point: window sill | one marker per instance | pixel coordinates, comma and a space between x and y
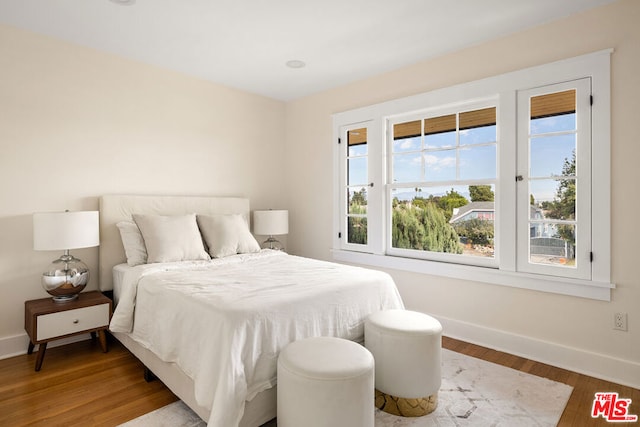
564, 286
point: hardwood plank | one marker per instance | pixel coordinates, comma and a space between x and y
79, 385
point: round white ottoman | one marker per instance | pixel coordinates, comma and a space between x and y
325, 381
406, 346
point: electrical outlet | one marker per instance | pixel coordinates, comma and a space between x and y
620, 321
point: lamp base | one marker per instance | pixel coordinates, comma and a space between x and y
65, 278
65, 292
272, 243
64, 298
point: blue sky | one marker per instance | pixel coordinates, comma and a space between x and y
474, 158
443, 160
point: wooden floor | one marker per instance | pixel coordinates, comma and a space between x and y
81, 386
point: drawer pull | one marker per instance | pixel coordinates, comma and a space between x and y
76, 321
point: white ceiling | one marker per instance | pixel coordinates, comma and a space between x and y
246, 43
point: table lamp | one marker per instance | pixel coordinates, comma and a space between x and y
67, 276
271, 223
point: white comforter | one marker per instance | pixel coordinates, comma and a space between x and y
224, 322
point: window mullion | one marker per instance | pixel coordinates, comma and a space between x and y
508, 168
457, 147
377, 195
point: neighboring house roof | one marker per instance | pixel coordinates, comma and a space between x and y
463, 211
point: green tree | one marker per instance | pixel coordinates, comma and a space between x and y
357, 230
357, 226
359, 198
423, 228
481, 193
439, 234
419, 202
564, 204
450, 201
407, 231
477, 231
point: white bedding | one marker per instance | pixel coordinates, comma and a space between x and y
224, 321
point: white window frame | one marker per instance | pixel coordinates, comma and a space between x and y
428, 255
505, 87
343, 171
583, 198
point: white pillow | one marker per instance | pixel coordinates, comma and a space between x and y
227, 235
171, 238
133, 243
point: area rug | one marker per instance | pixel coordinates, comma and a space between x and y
473, 393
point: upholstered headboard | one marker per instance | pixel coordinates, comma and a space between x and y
116, 208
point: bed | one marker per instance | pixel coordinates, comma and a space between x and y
211, 327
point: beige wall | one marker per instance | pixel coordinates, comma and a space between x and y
545, 326
76, 124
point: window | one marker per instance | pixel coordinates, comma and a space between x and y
555, 190
357, 182
442, 182
503, 180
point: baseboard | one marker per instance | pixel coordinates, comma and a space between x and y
596, 365
625, 372
17, 345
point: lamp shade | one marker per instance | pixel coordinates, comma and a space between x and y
271, 222
65, 230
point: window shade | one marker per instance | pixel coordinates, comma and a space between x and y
357, 136
553, 104
441, 124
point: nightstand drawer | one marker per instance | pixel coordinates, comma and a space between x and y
72, 321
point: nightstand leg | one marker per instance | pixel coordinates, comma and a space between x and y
41, 349
30, 349
102, 336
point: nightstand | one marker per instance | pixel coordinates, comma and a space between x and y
46, 320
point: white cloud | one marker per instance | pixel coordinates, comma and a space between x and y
406, 144
439, 163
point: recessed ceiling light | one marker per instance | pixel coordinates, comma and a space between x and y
123, 2
295, 63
